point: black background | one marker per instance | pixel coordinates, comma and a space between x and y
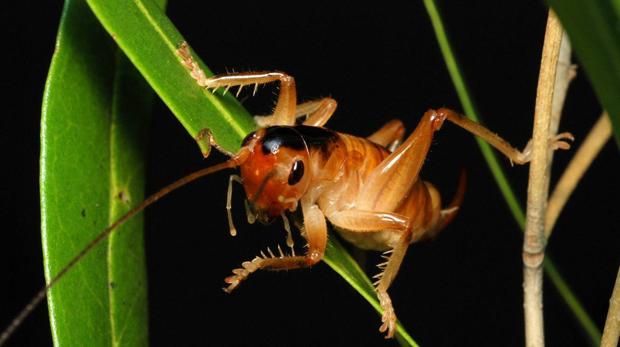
379, 62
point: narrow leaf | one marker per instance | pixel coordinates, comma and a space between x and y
150, 40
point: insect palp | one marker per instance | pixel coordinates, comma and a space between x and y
231, 179
289, 235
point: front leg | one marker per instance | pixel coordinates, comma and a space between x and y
284, 113
390, 135
315, 231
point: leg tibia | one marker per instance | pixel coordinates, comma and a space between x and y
318, 112
515, 156
316, 235
284, 113
385, 278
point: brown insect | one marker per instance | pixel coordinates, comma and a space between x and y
369, 189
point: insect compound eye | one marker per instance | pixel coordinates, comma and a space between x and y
297, 172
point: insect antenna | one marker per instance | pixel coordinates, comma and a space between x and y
42, 293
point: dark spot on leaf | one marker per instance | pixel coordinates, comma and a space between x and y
83, 213
112, 285
122, 196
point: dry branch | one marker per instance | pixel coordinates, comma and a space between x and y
534, 238
611, 333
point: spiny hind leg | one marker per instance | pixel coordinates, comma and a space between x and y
389, 269
390, 135
284, 113
390, 182
357, 221
316, 234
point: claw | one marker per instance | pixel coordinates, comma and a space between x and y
558, 141
233, 284
242, 273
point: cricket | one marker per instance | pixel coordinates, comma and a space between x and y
368, 189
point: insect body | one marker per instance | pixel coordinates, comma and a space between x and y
369, 189
363, 190
372, 196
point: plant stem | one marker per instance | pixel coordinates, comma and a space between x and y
611, 332
534, 238
564, 290
565, 73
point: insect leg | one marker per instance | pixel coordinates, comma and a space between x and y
390, 135
368, 222
390, 182
389, 270
318, 112
519, 157
316, 234
284, 113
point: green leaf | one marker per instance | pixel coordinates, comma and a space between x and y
570, 299
150, 40
337, 257
94, 114
594, 30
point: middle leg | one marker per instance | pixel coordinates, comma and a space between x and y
318, 112
390, 135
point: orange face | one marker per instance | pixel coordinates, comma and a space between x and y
275, 175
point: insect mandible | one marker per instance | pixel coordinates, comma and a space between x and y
368, 189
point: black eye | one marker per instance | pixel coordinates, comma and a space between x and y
297, 172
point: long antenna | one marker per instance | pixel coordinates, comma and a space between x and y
42, 293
